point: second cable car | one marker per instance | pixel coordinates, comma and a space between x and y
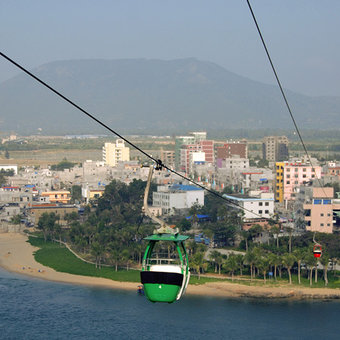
317, 250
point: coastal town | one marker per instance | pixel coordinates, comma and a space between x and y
273, 204
300, 193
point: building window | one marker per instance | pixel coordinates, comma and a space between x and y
296, 169
304, 169
266, 211
288, 176
317, 201
321, 224
260, 204
327, 202
288, 182
266, 204
321, 214
296, 176
296, 182
328, 225
260, 211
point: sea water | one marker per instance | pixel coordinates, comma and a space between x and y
36, 309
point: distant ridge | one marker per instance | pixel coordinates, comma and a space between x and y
141, 95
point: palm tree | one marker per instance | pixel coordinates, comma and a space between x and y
245, 235
231, 264
250, 259
311, 262
263, 265
274, 260
97, 250
325, 262
290, 231
299, 256
276, 231
216, 257
115, 254
258, 252
288, 261
198, 263
240, 261
126, 254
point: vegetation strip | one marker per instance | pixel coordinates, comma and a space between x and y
59, 258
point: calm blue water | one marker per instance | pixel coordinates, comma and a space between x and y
34, 309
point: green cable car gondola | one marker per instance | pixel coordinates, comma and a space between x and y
166, 278
165, 271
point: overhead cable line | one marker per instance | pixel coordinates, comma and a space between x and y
157, 161
283, 92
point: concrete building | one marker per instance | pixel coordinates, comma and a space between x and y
62, 196
254, 207
278, 188
21, 198
322, 211
290, 176
115, 152
92, 193
260, 180
8, 211
168, 158
231, 149
205, 147
192, 138
275, 148
333, 169
233, 162
177, 196
35, 211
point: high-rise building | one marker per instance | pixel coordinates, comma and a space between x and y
168, 157
205, 147
192, 138
275, 148
115, 152
290, 176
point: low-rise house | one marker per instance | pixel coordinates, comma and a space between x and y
62, 196
35, 211
9, 210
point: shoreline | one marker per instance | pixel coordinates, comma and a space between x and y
16, 255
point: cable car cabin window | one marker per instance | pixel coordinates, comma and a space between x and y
317, 201
327, 202
165, 253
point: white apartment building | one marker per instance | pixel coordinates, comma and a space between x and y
177, 196
235, 162
115, 152
254, 207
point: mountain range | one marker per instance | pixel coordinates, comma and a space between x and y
154, 96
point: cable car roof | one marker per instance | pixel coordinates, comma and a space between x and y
167, 237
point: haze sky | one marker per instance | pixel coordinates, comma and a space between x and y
302, 36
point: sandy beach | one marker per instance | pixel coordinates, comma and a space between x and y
16, 255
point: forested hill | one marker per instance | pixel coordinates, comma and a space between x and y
139, 95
